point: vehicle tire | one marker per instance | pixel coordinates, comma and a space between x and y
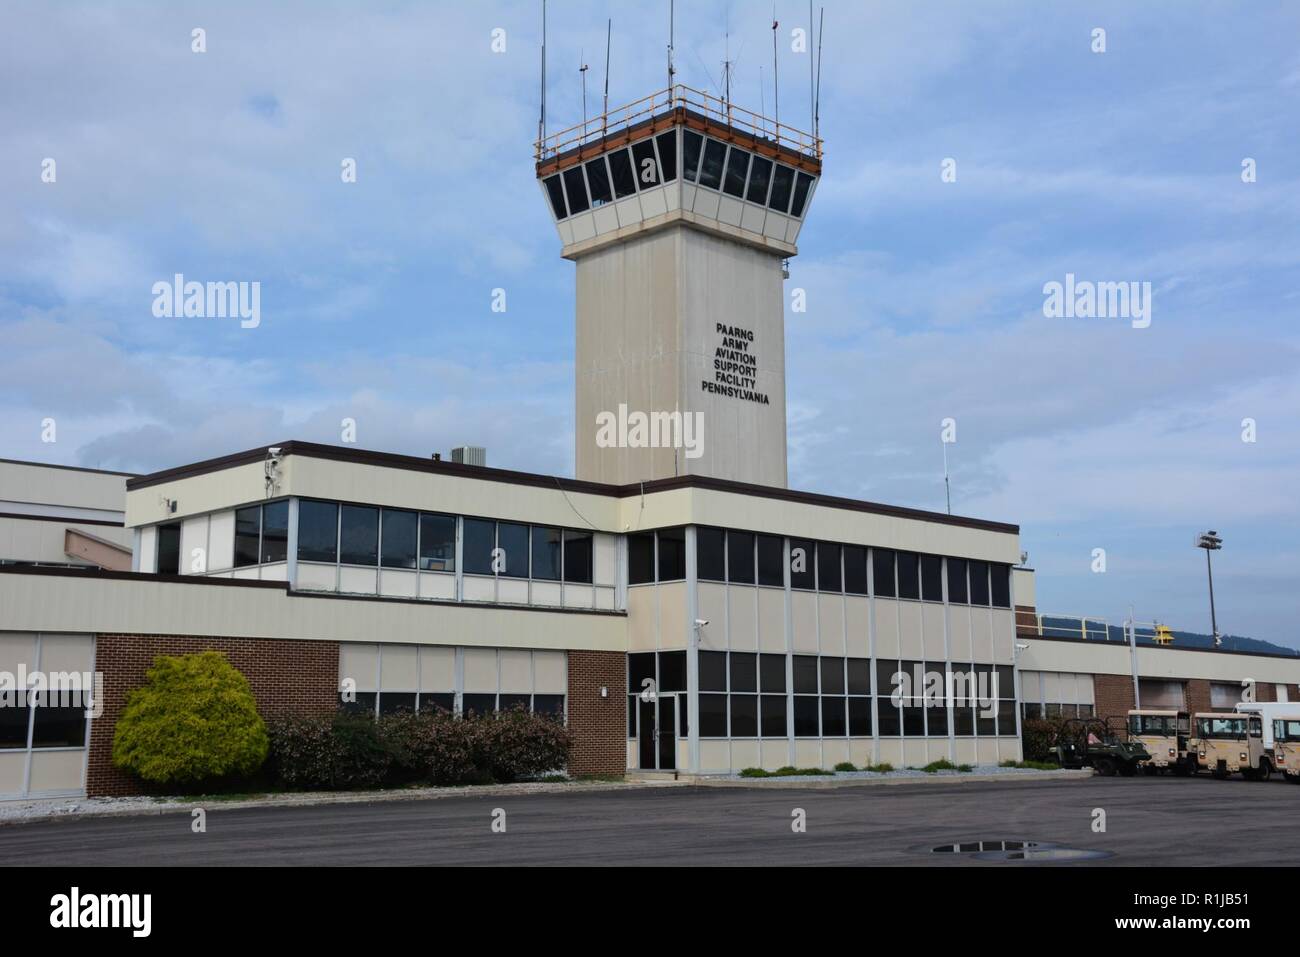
1105, 767
1151, 770
1127, 769
1183, 769
1219, 775
1265, 771
1249, 774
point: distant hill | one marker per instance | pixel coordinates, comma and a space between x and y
1073, 627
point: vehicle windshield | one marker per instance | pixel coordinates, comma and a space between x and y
1287, 729
1152, 724
1222, 727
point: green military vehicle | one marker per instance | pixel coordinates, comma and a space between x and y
1101, 744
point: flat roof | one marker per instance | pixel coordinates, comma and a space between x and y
482, 473
66, 468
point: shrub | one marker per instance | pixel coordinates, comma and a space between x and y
883, 768
845, 766
339, 751
433, 747
515, 744
755, 773
943, 764
194, 720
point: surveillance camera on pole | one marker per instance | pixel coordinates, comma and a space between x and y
1211, 542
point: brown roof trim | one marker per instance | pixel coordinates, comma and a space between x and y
66, 468
61, 518
339, 453
1119, 644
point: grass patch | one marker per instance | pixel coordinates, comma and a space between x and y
1031, 765
845, 766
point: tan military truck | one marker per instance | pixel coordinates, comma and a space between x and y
1286, 746
1227, 742
1164, 734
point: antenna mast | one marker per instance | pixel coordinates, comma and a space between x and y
541, 120
776, 78
672, 32
604, 116
583, 70
817, 99
812, 83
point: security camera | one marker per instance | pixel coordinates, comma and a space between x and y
274, 451
701, 622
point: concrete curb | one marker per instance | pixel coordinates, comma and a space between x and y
889, 780
320, 799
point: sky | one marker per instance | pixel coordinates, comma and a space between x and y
924, 296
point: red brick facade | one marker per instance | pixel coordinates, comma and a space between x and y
289, 676
1113, 695
598, 724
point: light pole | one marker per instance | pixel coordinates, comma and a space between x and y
1211, 542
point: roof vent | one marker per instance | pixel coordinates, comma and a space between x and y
469, 455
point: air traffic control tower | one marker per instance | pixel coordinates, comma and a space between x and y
680, 210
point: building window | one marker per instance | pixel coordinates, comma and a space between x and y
931, 578
713, 715
806, 716
480, 540
979, 583
668, 155
828, 568
555, 192
711, 165
547, 544
318, 531
801, 187
620, 168
888, 700
855, 570
834, 724
512, 539
782, 186
882, 572
358, 535
575, 187
480, 704
169, 549
744, 671
710, 554
805, 670
859, 717
1000, 590
647, 164
803, 564
773, 716
391, 702
248, 531
672, 554
744, 715
437, 543
909, 581
438, 701
740, 558
578, 559
598, 180
672, 671
771, 561
641, 558
760, 176
713, 670
771, 674
692, 146
957, 594
15, 716
275, 532
737, 172
399, 530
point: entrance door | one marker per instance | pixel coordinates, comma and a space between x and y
657, 731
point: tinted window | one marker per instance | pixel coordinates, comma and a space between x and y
576, 188
744, 716
620, 168
713, 671
546, 554
710, 554
802, 561
773, 716
855, 569
805, 716
359, 535
647, 164
859, 675
640, 666
598, 180
556, 193
832, 675
1000, 575
979, 583
932, 578
13, 720
771, 561
512, 539
577, 557
957, 581
711, 165
737, 170
549, 704
744, 671
833, 724
399, 539
691, 147
390, 702
740, 557
480, 539
668, 154
805, 674
248, 523
882, 572
169, 549
438, 543
760, 175
771, 673
828, 567
713, 716
59, 724
672, 554
782, 185
909, 582
801, 188
860, 717
672, 671
641, 558
318, 530
275, 531
478, 703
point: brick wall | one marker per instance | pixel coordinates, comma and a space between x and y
299, 677
1196, 694
1113, 695
599, 725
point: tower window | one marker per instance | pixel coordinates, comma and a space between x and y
647, 164
737, 170
576, 187
620, 168
782, 184
801, 188
598, 178
711, 166
556, 193
760, 177
668, 155
692, 144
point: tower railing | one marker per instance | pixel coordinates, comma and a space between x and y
662, 102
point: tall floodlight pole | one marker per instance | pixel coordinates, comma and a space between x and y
1211, 542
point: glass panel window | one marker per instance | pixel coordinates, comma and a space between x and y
773, 716
713, 716
641, 558
60, 720
555, 192
513, 702
692, 146
359, 535
668, 154
438, 543
805, 674
672, 671
882, 572
855, 569
936, 722
802, 564
399, 531
713, 670
744, 716
318, 531
647, 164
737, 171
363, 702
828, 568
480, 539
801, 187
549, 704
390, 702
957, 581
740, 557
1000, 590
833, 723
771, 673
889, 717
710, 554
546, 554
14, 717
620, 168
275, 531
931, 578
913, 721
711, 166
640, 668
512, 539
598, 180
832, 676
979, 583
806, 714
437, 701
909, 581
860, 717
859, 675
480, 704
760, 176
672, 554
1007, 719
169, 549
782, 186
744, 671
578, 559
575, 186
248, 528
771, 561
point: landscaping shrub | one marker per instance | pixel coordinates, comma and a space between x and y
435, 747
515, 744
194, 720
339, 751
883, 767
845, 766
